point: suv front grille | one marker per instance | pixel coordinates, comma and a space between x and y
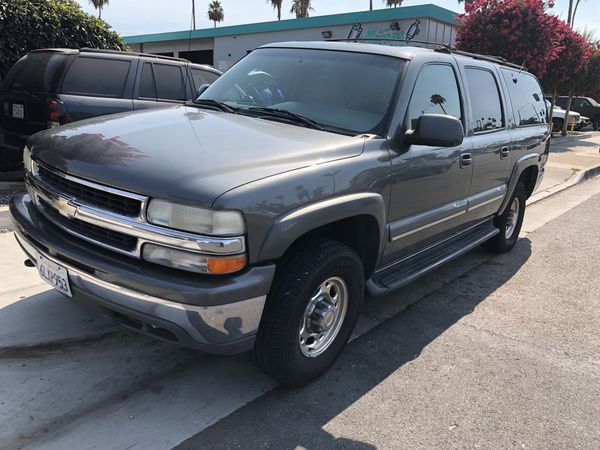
98, 234
95, 197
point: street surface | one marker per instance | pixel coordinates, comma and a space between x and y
489, 351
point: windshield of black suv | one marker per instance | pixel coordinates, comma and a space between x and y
336, 91
593, 102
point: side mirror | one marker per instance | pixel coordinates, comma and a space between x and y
436, 130
201, 90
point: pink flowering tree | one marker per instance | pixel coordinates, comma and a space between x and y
566, 70
516, 30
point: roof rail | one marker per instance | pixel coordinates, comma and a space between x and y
122, 52
388, 41
494, 59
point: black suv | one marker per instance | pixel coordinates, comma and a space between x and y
586, 106
52, 87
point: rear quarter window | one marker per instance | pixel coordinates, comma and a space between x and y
36, 72
169, 82
100, 77
526, 96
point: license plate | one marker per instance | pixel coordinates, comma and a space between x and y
53, 274
18, 111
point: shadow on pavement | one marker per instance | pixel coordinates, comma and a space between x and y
285, 419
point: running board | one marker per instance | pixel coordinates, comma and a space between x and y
412, 267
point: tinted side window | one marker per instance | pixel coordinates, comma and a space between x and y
580, 102
169, 82
147, 85
96, 76
527, 98
435, 92
36, 72
203, 77
485, 100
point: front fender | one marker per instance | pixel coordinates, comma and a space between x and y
291, 226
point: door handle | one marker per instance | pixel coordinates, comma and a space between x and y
466, 159
504, 152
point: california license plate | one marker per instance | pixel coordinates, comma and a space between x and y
53, 274
18, 111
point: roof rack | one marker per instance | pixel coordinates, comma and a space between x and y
121, 52
390, 41
441, 47
495, 59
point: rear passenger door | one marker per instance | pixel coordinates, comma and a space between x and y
161, 84
490, 138
95, 86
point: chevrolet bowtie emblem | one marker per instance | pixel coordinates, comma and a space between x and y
64, 207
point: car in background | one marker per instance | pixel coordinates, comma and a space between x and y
558, 117
52, 87
586, 106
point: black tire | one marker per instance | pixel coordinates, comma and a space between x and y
501, 243
299, 274
596, 123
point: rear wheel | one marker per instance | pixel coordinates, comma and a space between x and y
509, 223
310, 312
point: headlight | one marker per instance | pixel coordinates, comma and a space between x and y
193, 262
27, 161
196, 220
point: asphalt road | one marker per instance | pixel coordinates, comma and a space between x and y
488, 351
505, 356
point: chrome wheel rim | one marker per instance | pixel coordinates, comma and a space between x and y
512, 218
323, 317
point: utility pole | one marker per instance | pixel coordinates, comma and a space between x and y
194, 13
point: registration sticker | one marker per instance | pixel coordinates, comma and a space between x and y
18, 111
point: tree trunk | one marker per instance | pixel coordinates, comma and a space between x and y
279, 12
100, 13
370, 5
215, 24
552, 105
567, 111
574, 13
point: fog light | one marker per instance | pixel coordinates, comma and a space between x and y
192, 262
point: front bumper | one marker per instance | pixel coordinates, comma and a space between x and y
214, 314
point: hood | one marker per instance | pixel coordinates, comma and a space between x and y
184, 153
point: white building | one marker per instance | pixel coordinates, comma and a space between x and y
223, 46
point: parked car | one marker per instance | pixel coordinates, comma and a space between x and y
306, 175
586, 106
52, 87
558, 117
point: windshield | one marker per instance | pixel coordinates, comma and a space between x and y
593, 102
340, 91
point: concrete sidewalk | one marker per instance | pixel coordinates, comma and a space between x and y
572, 160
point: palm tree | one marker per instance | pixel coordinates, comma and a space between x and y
99, 5
572, 15
277, 6
215, 12
437, 99
370, 5
393, 3
301, 8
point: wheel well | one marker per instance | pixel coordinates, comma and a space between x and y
360, 233
529, 178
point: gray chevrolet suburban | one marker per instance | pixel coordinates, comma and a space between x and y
309, 174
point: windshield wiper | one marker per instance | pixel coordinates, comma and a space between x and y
309, 123
215, 104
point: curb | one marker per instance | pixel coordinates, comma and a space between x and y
575, 179
5, 219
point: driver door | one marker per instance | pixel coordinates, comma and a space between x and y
430, 185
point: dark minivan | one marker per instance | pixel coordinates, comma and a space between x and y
52, 87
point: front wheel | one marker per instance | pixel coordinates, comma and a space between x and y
509, 223
310, 312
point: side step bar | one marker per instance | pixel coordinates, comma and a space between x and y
412, 267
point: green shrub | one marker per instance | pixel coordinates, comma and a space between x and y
26, 25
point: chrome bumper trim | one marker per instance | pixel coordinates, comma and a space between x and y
136, 227
205, 325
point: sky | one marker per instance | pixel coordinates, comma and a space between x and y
130, 17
